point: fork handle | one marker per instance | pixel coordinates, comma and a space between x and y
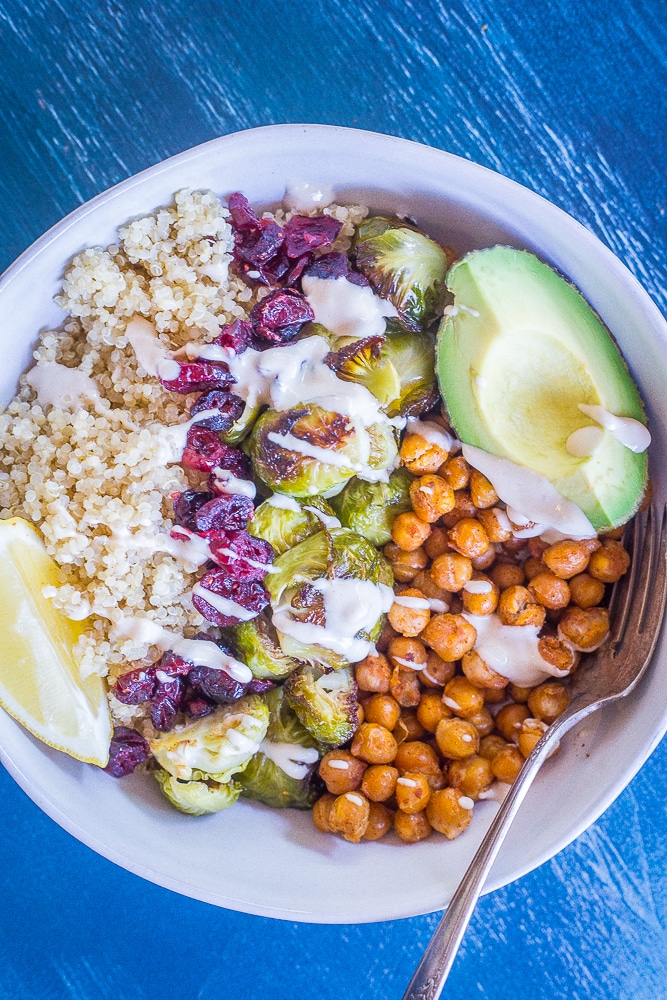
432, 971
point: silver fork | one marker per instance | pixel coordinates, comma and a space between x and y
613, 671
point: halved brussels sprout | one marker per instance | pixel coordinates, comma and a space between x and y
309, 451
404, 266
369, 509
289, 523
197, 798
241, 427
219, 745
256, 644
326, 704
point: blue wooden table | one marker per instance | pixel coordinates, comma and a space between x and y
568, 98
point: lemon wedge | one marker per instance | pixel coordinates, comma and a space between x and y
40, 685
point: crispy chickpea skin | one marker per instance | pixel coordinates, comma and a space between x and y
451, 571
380, 821
585, 629
409, 532
412, 792
585, 590
349, 816
448, 814
457, 472
383, 709
374, 673
341, 772
322, 812
530, 734
550, 590
608, 563
408, 728
517, 607
457, 738
450, 636
558, 653
431, 497
482, 493
374, 744
548, 701
472, 775
407, 615
464, 698
411, 827
421, 456
567, 558
405, 687
379, 782
469, 538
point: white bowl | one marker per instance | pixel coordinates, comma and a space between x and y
273, 862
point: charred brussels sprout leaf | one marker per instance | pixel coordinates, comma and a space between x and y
326, 704
363, 362
241, 427
217, 746
370, 508
256, 644
285, 526
404, 266
197, 798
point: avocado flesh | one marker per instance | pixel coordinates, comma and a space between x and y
519, 354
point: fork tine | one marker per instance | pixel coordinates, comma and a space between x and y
624, 591
655, 574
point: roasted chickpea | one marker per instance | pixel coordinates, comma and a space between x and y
517, 607
450, 636
608, 563
436, 543
496, 524
431, 497
509, 720
411, 827
532, 568
506, 575
479, 673
409, 532
558, 653
457, 472
482, 492
412, 792
468, 538
408, 728
530, 734
407, 653
380, 821
437, 672
410, 612
480, 595
417, 756
405, 687
449, 812
421, 456
451, 571
462, 697
374, 744
341, 772
567, 558
405, 565
585, 629
507, 763
547, 701
322, 812
585, 590
463, 508
472, 775
457, 738
379, 782
483, 721
493, 696
424, 582
383, 709
490, 745
373, 673
549, 590
431, 710
519, 693
482, 563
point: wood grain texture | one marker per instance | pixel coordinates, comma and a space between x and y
567, 98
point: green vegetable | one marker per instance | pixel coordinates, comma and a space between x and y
369, 509
218, 746
283, 528
241, 427
256, 644
331, 448
197, 797
326, 704
404, 266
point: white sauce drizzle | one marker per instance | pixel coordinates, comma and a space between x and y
466, 802
348, 310
172, 438
355, 799
431, 432
530, 493
408, 782
478, 587
291, 758
153, 356
435, 604
328, 520
496, 793
339, 765
282, 502
583, 442
511, 650
223, 604
630, 432
303, 196
227, 482
419, 603
408, 664
65, 388
201, 652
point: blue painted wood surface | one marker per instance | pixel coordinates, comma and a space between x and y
568, 98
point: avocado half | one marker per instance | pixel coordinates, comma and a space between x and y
518, 353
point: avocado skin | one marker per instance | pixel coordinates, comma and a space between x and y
520, 351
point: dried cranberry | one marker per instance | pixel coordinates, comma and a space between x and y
135, 686
271, 273
127, 750
329, 265
260, 685
298, 268
195, 705
166, 702
229, 512
216, 685
242, 215
236, 336
232, 460
174, 665
198, 376
303, 233
280, 315
355, 278
256, 247
252, 596
245, 557
186, 505
203, 449
228, 409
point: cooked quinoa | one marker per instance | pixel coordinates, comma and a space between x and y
94, 480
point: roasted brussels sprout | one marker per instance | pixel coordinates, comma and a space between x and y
309, 451
326, 704
256, 644
197, 797
326, 599
284, 522
241, 427
282, 772
217, 746
404, 266
369, 509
